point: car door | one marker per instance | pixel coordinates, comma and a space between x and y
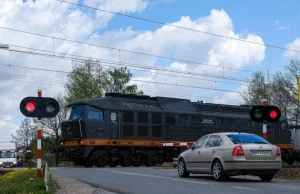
209, 151
195, 157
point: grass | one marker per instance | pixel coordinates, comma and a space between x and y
18, 182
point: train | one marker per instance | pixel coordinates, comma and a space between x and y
135, 130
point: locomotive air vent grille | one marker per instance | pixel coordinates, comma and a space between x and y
128, 117
157, 131
127, 130
170, 119
142, 130
156, 118
142, 117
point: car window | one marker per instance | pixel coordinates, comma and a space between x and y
246, 139
213, 141
219, 141
200, 142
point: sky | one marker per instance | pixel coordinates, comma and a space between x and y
222, 64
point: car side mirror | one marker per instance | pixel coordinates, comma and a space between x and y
189, 147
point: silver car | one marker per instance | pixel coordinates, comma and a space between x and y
230, 154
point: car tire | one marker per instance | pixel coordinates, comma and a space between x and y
218, 171
182, 172
267, 177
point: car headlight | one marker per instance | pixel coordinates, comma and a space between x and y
15, 162
0, 163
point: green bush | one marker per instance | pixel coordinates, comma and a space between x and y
18, 182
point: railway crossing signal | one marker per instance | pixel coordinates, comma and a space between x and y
265, 114
39, 107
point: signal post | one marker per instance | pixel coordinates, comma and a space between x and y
264, 103
39, 143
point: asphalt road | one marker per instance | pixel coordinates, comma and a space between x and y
166, 181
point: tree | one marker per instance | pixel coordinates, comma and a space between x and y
88, 79
257, 89
25, 133
118, 82
51, 127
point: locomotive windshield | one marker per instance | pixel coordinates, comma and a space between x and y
74, 112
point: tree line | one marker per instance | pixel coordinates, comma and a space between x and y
88, 79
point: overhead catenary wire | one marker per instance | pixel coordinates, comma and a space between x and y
146, 92
125, 50
143, 81
180, 27
131, 65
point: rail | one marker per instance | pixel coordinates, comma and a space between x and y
45, 172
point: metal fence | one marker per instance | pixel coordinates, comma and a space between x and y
45, 172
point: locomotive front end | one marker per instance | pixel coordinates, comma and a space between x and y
70, 146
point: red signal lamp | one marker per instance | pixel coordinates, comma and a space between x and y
30, 106
273, 114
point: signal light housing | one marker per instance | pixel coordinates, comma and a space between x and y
265, 114
39, 107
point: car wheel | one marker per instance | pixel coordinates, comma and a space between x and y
217, 171
268, 177
182, 169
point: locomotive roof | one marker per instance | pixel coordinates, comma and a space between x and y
128, 102
121, 102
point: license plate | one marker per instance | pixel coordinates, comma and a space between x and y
261, 152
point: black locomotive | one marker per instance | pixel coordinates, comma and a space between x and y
127, 129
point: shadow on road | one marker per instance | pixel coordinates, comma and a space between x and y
230, 179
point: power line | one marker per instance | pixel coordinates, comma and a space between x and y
143, 81
181, 27
117, 63
145, 91
124, 50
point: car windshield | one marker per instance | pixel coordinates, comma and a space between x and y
246, 139
7, 155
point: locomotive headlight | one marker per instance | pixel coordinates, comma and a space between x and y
81, 142
62, 143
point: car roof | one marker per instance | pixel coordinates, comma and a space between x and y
229, 133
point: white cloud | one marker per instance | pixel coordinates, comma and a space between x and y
295, 45
6, 117
6, 129
233, 98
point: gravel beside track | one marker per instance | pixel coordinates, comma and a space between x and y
72, 186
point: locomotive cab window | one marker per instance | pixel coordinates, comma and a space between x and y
95, 115
75, 112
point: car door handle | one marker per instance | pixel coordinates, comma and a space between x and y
213, 151
199, 152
